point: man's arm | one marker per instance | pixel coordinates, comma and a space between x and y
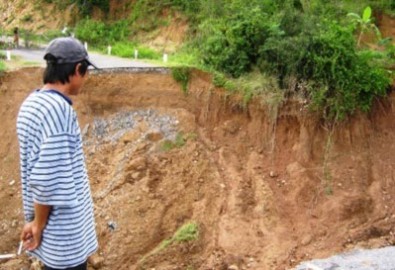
32, 231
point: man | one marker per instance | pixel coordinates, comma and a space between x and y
60, 228
16, 37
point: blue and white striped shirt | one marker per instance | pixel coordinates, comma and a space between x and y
53, 173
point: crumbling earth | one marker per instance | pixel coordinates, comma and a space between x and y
268, 187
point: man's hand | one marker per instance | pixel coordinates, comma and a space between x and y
31, 236
32, 231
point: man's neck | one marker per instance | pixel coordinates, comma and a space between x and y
62, 88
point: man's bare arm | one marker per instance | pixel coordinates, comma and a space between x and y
32, 231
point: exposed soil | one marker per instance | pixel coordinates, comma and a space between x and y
268, 188
387, 25
36, 16
41, 17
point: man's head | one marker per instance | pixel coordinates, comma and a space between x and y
67, 63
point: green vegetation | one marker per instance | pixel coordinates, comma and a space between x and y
364, 23
188, 232
311, 49
182, 75
2, 66
100, 33
252, 85
27, 18
179, 141
85, 6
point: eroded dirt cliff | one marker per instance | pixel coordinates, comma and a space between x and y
268, 187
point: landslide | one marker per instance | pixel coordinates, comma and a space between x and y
267, 187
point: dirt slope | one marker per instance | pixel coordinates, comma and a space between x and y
267, 189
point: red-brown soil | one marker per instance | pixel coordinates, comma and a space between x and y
267, 190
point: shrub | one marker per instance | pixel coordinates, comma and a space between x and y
124, 49
232, 46
99, 33
182, 75
91, 31
344, 79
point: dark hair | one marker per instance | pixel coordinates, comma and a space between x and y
61, 72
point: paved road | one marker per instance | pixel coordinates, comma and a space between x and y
102, 61
375, 259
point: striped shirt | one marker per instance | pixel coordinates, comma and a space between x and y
53, 173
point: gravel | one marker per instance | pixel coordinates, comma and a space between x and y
111, 129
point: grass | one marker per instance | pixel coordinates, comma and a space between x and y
127, 50
186, 233
15, 63
188, 57
182, 76
185, 57
179, 141
27, 18
2, 66
252, 85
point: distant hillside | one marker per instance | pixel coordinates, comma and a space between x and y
162, 28
37, 16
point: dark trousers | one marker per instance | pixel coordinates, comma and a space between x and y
79, 267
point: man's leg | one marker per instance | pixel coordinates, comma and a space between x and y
79, 267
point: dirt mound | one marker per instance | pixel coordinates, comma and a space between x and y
266, 190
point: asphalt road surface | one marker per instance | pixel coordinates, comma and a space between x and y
375, 259
102, 61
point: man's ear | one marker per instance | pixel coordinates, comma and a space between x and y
77, 70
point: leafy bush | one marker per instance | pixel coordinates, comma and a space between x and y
99, 33
118, 31
232, 47
91, 31
308, 46
343, 79
124, 49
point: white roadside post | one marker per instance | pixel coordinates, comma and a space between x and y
136, 54
165, 57
8, 55
109, 50
86, 46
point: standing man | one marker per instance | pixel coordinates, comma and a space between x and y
57, 202
16, 37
